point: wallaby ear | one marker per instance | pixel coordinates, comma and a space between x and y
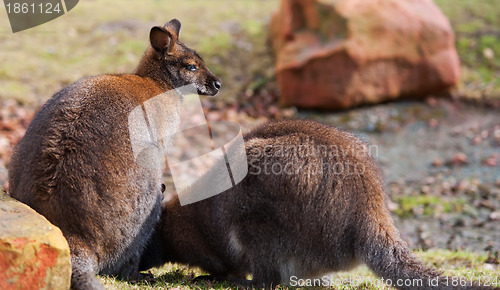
174, 27
162, 40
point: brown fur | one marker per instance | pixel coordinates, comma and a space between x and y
304, 222
75, 164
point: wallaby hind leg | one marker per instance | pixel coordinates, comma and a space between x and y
83, 275
85, 281
129, 270
264, 274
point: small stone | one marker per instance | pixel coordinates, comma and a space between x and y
432, 101
488, 53
476, 181
273, 110
476, 140
425, 189
392, 206
487, 204
491, 161
495, 216
496, 135
490, 267
459, 159
429, 180
437, 162
456, 131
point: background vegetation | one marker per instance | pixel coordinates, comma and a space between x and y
109, 37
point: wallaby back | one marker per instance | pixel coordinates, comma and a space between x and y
76, 167
313, 202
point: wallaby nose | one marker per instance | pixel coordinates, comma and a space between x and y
217, 85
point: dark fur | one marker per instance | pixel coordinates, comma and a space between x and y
275, 226
75, 164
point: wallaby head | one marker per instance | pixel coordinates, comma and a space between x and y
170, 62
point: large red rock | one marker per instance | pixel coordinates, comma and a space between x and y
336, 54
33, 253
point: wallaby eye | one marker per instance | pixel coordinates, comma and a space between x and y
191, 67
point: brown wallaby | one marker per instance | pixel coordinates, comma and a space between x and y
313, 202
76, 167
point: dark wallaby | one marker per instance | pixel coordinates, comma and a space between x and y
76, 167
313, 202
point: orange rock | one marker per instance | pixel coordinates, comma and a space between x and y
33, 252
340, 54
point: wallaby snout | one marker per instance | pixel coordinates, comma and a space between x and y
215, 85
211, 87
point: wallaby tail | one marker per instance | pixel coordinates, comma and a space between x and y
387, 255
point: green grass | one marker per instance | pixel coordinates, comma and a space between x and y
477, 32
425, 205
462, 265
